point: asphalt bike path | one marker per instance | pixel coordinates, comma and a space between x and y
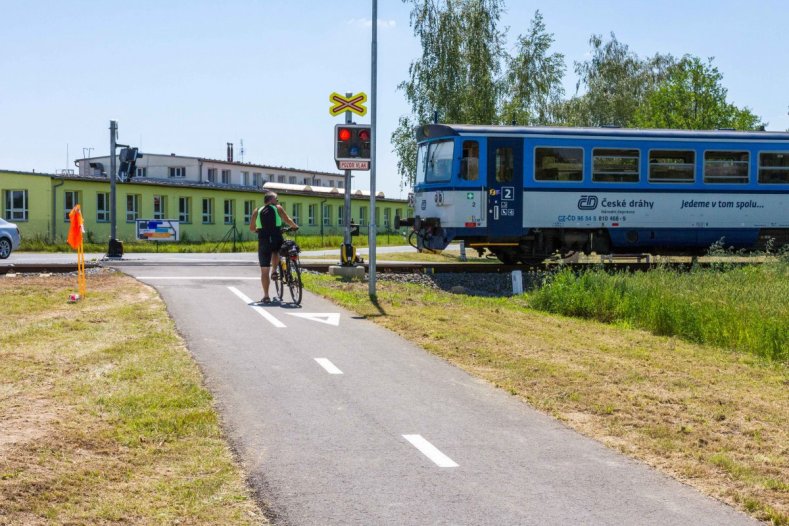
339, 421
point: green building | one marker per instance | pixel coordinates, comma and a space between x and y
39, 204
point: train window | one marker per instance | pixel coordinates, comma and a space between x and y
421, 153
726, 167
615, 166
774, 168
469, 163
558, 164
672, 166
505, 165
439, 161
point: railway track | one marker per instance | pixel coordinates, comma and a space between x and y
397, 267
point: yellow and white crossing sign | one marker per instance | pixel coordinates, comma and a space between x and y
354, 103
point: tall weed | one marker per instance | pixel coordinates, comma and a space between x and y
745, 308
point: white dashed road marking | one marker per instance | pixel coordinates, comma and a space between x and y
260, 310
430, 451
326, 364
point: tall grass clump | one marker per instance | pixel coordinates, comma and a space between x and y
745, 308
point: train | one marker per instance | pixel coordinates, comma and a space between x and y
526, 193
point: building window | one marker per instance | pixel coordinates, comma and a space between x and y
387, 217
292, 179
615, 166
256, 179
327, 215
208, 210
230, 206
71, 200
178, 171
672, 166
142, 172
102, 207
341, 215
558, 164
132, 208
280, 178
331, 183
305, 180
340, 184
362, 216
774, 168
249, 207
184, 205
317, 182
212, 175
159, 207
16, 205
225, 176
469, 163
311, 216
245, 177
296, 212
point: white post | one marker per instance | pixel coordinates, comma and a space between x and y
517, 282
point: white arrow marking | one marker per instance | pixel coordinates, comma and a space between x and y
260, 310
329, 318
430, 451
326, 364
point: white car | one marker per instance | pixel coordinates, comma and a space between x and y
9, 238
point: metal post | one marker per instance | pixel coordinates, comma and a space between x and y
373, 100
113, 137
347, 211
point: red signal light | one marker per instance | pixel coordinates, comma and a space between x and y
364, 135
344, 134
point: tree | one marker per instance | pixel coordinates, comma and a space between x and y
693, 98
533, 79
459, 74
616, 82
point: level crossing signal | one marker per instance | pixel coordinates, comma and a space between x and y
128, 163
352, 146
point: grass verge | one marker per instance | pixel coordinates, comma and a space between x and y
713, 418
103, 414
742, 307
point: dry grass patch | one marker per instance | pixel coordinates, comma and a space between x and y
712, 418
103, 414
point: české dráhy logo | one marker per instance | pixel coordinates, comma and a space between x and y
587, 202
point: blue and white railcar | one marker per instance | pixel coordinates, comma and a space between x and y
524, 193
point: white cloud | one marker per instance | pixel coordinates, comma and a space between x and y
367, 22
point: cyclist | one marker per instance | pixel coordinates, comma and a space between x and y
267, 222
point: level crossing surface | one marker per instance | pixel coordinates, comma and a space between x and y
339, 421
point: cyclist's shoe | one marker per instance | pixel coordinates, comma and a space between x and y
266, 300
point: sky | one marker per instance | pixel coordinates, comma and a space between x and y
187, 77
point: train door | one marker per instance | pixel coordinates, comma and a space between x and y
505, 186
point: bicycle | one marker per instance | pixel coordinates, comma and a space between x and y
289, 270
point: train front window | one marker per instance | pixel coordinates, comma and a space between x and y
774, 168
438, 162
726, 167
558, 164
469, 163
672, 166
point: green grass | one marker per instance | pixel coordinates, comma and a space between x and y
306, 242
743, 308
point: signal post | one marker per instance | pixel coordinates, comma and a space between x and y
351, 152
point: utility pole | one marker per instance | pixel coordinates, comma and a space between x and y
113, 138
373, 139
347, 207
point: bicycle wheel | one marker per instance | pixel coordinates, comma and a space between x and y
279, 283
294, 280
